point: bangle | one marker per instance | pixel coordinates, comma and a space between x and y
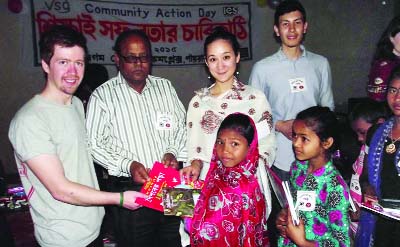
121, 199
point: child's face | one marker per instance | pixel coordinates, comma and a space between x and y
231, 147
360, 126
306, 143
291, 29
393, 96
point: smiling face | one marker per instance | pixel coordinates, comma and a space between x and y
221, 61
134, 73
65, 70
291, 29
231, 147
307, 145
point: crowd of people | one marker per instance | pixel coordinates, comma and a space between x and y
233, 136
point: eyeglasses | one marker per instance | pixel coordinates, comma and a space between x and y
136, 59
393, 90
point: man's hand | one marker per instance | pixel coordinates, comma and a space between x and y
169, 160
139, 173
285, 127
192, 172
130, 199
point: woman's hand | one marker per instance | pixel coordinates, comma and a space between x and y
191, 173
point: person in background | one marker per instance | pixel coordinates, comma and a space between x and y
231, 208
49, 140
292, 79
363, 116
383, 173
319, 190
387, 56
134, 120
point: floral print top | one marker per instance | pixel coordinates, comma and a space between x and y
329, 223
206, 112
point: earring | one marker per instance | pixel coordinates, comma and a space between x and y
237, 72
209, 77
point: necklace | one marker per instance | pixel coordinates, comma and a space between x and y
391, 148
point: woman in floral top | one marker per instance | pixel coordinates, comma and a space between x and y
320, 193
227, 95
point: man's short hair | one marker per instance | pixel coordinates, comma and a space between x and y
287, 7
63, 36
132, 32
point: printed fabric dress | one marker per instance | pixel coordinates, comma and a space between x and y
231, 210
205, 114
329, 223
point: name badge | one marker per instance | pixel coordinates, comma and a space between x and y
164, 121
306, 200
297, 85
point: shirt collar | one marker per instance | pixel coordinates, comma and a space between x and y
282, 55
121, 80
205, 93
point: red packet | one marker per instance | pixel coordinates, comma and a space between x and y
160, 177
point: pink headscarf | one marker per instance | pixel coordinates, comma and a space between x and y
231, 208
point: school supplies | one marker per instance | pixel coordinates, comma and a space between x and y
289, 198
386, 207
180, 201
160, 177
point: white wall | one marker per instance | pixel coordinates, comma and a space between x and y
343, 31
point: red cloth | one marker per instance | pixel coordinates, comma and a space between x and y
231, 207
378, 78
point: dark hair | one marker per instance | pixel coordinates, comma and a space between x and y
384, 48
132, 32
323, 122
395, 74
287, 7
61, 35
240, 123
220, 32
368, 110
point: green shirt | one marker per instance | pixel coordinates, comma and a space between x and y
328, 224
45, 127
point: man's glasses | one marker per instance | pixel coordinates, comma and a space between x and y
393, 90
135, 59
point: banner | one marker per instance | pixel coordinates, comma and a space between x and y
177, 32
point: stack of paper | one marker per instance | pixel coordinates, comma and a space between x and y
289, 198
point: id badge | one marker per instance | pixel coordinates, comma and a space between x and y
306, 200
297, 85
164, 121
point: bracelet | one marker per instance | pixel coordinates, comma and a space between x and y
121, 199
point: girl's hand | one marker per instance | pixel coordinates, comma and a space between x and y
282, 221
369, 195
297, 233
355, 216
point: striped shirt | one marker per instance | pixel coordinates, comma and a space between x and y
125, 126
